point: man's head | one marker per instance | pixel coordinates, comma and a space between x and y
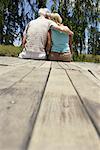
43, 11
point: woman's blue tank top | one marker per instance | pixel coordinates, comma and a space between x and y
60, 41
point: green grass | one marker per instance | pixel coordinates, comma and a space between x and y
9, 50
87, 58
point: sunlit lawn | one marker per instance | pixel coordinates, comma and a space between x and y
87, 58
9, 50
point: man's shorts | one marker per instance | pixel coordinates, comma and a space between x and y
32, 55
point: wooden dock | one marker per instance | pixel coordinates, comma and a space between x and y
47, 105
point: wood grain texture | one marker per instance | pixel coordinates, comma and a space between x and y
55, 65
93, 68
62, 123
47, 64
19, 106
12, 61
71, 100
89, 93
73, 66
9, 65
10, 78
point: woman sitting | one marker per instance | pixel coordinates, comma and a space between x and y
59, 43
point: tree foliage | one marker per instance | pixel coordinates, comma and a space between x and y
81, 16
8, 20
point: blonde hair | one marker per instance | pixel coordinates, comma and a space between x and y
56, 17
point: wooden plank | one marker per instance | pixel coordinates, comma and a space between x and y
62, 123
12, 60
65, 65
13, 76
71, 66
89, 91
93, 68
55, 65
74, 66
18, 109
90, 95
47, 64
86, 65
6, 68
8, 65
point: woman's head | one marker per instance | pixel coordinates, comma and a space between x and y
43, 12
56, 17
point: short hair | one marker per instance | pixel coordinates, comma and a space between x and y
56, 17
43, 11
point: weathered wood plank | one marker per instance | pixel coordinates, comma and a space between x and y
55, 65
62, 123
19, 106
89, 91
86, 65
86, 89
10, 78
74, 66
47, 64
90, 95
7, 66
8, 63
12, 60
93, 68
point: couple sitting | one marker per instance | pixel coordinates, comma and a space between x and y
46, 36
